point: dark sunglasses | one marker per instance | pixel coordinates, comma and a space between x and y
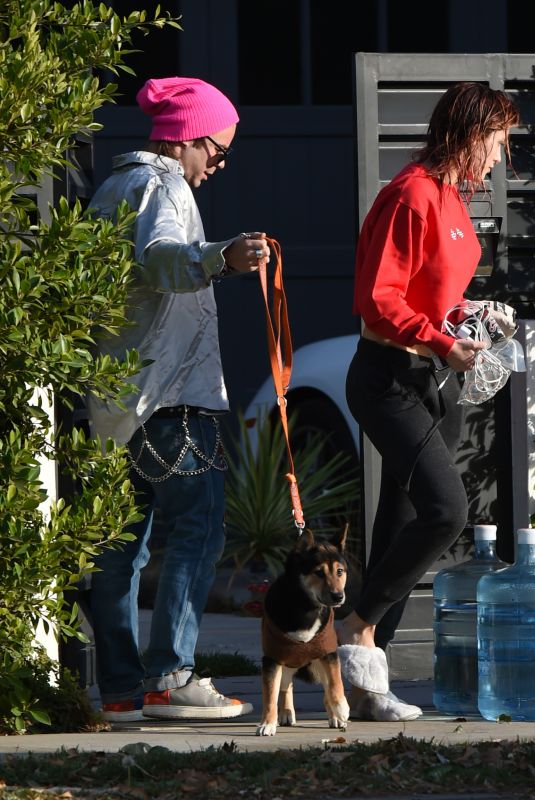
222, 152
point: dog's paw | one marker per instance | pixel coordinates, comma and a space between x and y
286, 717
341, 724
267, 729
339, 714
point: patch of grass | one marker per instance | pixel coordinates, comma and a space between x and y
224, 665
398, 766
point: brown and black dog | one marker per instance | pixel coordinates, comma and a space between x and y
298, 635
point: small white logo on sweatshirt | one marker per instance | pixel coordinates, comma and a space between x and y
456, 233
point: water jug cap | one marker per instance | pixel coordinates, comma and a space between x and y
484, 532
526, 536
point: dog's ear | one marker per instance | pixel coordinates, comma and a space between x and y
305, 541
339, 539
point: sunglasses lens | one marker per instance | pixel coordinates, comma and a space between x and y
221, 152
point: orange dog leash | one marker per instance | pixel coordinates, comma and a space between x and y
280, 357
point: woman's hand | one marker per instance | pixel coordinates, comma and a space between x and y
462, 355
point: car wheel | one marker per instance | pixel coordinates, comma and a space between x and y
318, 416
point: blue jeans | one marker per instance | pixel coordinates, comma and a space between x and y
192, 508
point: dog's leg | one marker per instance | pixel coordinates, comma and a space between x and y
271, 681
328, 670
286, 698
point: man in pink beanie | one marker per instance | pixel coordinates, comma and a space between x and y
170, 423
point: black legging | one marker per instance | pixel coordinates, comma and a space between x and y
422, 508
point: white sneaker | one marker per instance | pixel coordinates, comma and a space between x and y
197, 699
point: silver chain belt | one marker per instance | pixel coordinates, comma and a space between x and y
189, 444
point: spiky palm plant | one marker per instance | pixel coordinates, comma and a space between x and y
259, 520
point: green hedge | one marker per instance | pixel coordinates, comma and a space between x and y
61, 281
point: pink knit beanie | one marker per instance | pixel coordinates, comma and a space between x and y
185, 108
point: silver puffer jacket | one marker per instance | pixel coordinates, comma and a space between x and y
172, 305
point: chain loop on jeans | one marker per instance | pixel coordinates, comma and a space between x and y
189, 444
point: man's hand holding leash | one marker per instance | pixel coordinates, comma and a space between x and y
245, 252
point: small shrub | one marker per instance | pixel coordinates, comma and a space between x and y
259, 520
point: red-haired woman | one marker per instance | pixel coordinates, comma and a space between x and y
416, 255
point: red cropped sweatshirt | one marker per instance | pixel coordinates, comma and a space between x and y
416, 254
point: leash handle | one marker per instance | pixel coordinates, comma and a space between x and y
280, 357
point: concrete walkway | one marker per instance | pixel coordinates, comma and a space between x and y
311, 729
231, 633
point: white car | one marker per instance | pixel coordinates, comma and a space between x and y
316, 396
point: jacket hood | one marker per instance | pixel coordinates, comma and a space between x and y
137, 157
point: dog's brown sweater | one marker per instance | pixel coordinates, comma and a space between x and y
290, 653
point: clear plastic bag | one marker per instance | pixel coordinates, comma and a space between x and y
492, 323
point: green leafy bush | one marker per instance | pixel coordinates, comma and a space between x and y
62, 279
43, 685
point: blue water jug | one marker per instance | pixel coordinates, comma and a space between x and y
506, 636
455, 626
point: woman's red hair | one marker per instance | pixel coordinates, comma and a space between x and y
465, 115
